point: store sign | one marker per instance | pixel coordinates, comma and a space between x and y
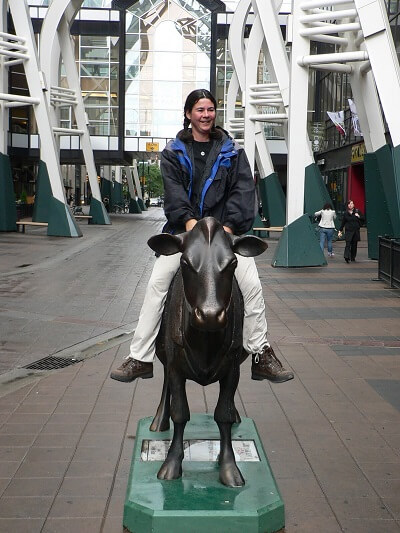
317, 136
152, 147
357, 153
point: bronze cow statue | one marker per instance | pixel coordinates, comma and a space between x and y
201, 335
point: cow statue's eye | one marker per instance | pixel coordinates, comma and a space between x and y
185, 263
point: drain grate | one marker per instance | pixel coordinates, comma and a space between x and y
52, 363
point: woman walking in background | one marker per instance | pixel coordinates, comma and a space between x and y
326, 226
351, 222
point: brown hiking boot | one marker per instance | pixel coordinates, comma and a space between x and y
132, 369
266, 365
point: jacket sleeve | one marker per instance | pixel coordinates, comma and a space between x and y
240, 203
343, 223
361, 219
177, 207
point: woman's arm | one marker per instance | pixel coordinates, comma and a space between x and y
177, 207
241, 198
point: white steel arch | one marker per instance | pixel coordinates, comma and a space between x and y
55, 42
37, 88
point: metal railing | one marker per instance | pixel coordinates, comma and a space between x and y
389, 261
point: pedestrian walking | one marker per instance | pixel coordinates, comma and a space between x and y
351, 223
326, 227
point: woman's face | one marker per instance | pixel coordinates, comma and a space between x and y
202, 118
350, 206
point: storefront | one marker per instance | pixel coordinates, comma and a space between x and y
355, 181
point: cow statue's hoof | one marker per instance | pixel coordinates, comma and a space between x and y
171, 469
231, 476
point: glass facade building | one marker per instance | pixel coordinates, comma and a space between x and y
167, 55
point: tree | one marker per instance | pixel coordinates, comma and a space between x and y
153, 184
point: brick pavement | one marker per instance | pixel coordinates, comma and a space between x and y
332, 435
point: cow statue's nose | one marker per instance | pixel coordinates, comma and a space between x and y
210, 319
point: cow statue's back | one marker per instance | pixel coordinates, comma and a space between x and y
201, 335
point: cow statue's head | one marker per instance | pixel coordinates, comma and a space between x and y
208, 263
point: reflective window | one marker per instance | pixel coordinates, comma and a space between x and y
168, 46
97, 58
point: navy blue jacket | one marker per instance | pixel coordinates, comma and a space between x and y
226, 189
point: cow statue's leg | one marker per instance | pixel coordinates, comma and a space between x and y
180, 414
225, 416
161, 420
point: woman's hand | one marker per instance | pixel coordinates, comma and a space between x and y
339, 233
190, 224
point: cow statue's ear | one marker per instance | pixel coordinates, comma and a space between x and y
248, 245
166, 244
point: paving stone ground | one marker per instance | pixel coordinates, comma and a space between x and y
332, 435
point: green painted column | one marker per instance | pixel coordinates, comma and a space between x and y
258, 223
393, 192
273, 200
142, 204
116, 193
43, 195
380, 197
8, 210
98, 213
134, 206
315, 191
61, 221
298, 246
49, 209
106, 191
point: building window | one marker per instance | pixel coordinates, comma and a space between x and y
168, 45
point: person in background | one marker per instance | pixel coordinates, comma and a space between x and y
351, 222
205, 173
326, 227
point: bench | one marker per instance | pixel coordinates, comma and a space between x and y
23, 224
270, 228
87, 217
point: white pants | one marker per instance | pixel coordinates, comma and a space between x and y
165, 267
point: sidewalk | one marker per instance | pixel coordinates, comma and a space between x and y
332, 435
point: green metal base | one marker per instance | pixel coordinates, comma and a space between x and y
379, 193
394, 205
106, 191
43, 195
258, 223
142, 204
98, 213
273, 200
198, 502
116, 193
61, 221
298, 246
315, 192
134, 206
8, 210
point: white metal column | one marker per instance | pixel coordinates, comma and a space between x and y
383, 58
49, 153
56, 43
297, 133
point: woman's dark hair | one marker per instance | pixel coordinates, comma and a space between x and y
191, 101
328, 206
